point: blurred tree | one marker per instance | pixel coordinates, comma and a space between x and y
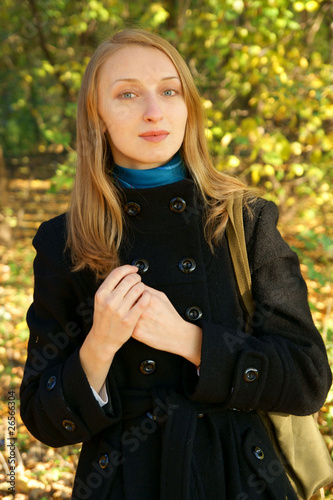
264, 68
5, 230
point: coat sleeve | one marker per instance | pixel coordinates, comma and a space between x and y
57, 403
281, 364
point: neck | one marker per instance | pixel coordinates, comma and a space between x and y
173, 171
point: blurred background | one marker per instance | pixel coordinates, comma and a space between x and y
265, 72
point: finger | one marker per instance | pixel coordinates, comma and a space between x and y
130, 299
157, 293
129, 318
113, 298
125, 285
117, 275
138, 308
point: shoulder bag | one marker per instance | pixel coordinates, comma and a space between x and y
296, 440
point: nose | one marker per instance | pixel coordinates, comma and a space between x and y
153, 112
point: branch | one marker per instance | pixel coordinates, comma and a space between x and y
36, 21
315, 28
48, 54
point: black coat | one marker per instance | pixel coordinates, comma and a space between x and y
166, 433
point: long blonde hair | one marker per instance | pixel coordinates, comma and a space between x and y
95, 222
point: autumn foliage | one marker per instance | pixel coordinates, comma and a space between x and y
265, 72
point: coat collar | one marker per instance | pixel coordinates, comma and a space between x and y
162, 207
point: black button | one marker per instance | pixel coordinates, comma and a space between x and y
258, 453
187, 265
147, 367
141, 264
69, 425
103, 461
132, 208
250, 375
51, 383
193, 313
177, 205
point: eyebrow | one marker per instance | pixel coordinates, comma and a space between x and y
138, 81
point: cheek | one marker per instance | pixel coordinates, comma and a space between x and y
181, 116
119, 119
119, 125
182, 121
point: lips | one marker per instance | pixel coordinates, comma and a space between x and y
154, 135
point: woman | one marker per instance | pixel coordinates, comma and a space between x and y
137, 346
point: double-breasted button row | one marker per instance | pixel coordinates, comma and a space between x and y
186, 265
147, 367
251, 375
176, 205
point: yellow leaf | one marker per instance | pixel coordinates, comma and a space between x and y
303, 62
209, 134
226, 139
233, 161
21, 326
312, 6
298, 169
296, 148
299, 6
207, 104
269, 170
283, 77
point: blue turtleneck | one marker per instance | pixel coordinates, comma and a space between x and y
173, 171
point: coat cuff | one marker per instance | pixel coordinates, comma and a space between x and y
231, 372
69, 403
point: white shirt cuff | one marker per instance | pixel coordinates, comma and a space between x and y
102, 397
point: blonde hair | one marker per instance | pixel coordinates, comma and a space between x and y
95, 218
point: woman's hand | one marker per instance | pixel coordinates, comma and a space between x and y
160, 326
119, 303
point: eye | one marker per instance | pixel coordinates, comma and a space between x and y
127, 95
169, 92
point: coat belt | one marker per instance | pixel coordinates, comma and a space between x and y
178, 416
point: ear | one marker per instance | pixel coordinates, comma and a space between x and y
102, 125
107, 135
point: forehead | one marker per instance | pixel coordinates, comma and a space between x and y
137, 62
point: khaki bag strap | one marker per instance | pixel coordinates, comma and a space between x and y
237, 247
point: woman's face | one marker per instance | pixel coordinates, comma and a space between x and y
141, 103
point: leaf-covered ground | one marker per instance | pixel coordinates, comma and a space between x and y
46, 473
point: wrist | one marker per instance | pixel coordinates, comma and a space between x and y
100, 350
192, 342
95, 363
